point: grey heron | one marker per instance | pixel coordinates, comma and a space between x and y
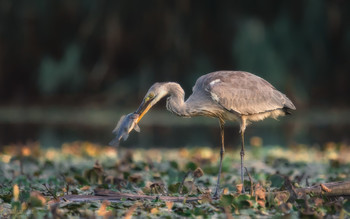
226, 95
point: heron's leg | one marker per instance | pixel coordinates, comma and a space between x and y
222, 152
242, 158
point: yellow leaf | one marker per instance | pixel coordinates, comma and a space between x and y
239, 188
260, 192
154, 211
325, 188
169, 205
6, 158
90, 149
226, 191
84, 188
184, 152
128, 214
103, 209
15, 192
24, 206
51, 154
26, 151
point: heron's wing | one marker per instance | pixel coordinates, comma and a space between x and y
244, 93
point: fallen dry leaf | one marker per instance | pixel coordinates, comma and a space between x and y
102, 211
128, 214
15, 192
225, 191
260, 192
206, 198
84, 188
39, 196
281, 197
239, 188
154, 211
198, 173
24, 206
261, 203
325, 188
169, 205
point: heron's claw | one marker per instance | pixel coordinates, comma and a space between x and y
216, 194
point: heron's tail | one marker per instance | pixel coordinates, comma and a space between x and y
287, 110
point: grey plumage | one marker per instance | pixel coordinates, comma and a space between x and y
227, 95
243, 92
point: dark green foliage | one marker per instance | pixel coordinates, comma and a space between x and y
276, 181
41, 185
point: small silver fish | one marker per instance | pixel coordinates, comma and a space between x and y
125, 125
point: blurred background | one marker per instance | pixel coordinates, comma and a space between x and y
70, 68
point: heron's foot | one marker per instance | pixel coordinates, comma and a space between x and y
217, 193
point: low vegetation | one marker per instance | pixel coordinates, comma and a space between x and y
40, 182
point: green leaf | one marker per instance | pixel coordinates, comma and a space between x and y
174, 164
16, 205
81, 180
24, 195
226, 200
276, 181
191, 166
34, 202
174, 188
346, 206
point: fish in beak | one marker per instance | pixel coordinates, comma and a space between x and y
129, 122
125, 125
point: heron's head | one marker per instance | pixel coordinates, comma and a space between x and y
154, 94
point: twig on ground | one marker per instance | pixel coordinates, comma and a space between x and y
338, 189
102, 194
333, 189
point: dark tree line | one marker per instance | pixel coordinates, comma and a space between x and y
51, 50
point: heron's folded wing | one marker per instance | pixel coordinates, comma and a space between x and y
247, 95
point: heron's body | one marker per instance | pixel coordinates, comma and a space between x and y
226, 95
230, 95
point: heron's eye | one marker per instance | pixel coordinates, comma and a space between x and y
149, 97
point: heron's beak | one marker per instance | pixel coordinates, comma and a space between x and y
143, 109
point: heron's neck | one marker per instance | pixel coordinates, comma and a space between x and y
176, 101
